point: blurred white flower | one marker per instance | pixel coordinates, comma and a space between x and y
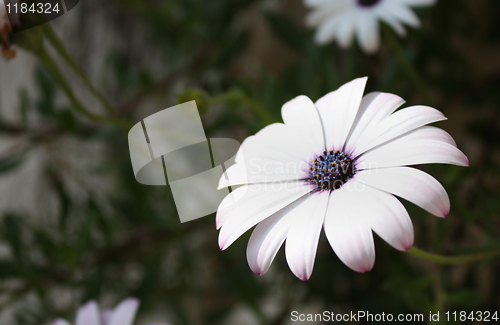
89, 314
336, 164
341, 19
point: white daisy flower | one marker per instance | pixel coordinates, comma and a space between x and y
89, 314
341, 19
338, 165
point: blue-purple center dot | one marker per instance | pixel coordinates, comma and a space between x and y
367, 3
331, 170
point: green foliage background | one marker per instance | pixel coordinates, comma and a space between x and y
241, 60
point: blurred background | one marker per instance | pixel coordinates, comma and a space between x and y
75, 225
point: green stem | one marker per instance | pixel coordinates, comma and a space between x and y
61, 49
450, 260
405, 62
51, 65
438, 287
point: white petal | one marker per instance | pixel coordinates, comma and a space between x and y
386, 216
404, 14
260, 201
399, 123
368, 33
263, 135
263, 171
237, 174
338, 110
302, 114
303, 235
124, 313
275, 142
318, 16
241, 195
425, 145
276, 153
345, 30
430, 133
105, 316
317, 3
373, 108
347, 232
268, 237
410, 184
88, 314
419, 3
394, 23
327, 30
60, 321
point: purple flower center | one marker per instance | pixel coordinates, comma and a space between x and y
367, 3
331, 170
